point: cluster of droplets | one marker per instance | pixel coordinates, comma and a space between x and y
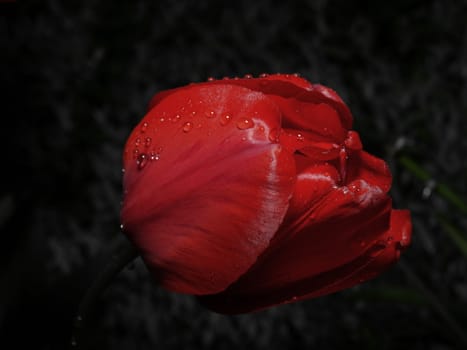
251, 76
143, 153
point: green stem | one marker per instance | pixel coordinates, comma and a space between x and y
122, 253
442, 189
454, 233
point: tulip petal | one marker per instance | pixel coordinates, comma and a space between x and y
373, 170
302, 103
374, 260
208, 205
331, 231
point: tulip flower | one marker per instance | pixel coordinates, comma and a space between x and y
255, 192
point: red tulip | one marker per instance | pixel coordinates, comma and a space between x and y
254, 192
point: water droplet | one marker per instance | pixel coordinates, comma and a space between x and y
225, 119
147, 142
264, 75
176, 118
274, 135
300, 137
121, 227
245, 123
144, 127
162, 119
248, 76
428, 189
154, 156
187, 126
142, 161
137, 142
210, 114
211, 79
296, 75
123, 170
135, 153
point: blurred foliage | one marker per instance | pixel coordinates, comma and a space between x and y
77, 76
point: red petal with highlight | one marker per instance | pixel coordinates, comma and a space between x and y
207, 207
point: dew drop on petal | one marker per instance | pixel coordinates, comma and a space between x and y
154, 156
211, 79
263, 75
300, 137
144, 127
147, 142
225, 119
245, 123
137, 142
210, 114
248, 76
274, 135
187, 126
142, 161
176, 118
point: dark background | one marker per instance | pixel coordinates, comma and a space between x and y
76, 76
